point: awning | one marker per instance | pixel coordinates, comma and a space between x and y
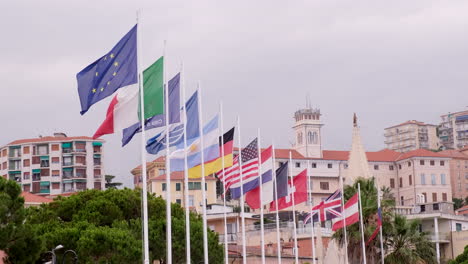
36, 171
79, 180
67, 181
14, 172
99, 144
15, 147
67, 169
44, 157
80, 142
45, 183
66, 145
97, 155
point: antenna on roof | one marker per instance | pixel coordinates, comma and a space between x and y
355, 120
308, 100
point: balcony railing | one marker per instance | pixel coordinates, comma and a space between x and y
438, 237
67, 190
67, 163
67, 150
231, 238
80, 175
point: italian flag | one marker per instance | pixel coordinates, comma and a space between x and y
124, 109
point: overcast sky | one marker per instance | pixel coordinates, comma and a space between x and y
387, 61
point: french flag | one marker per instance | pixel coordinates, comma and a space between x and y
350, 212
252, 198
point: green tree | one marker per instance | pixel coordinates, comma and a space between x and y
17, 238
462, 258
391, 230
105, 227
458, 203
109, 182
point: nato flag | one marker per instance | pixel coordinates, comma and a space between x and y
116, 69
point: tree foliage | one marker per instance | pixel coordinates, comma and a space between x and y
462, 258
16, 235
110, 182
105, 227
396, 229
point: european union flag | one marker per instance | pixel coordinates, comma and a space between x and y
115, 70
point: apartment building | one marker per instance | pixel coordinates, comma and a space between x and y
458, 172
411, 135
453, 130
55, 164
154, 168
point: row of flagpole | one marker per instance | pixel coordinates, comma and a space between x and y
186, 177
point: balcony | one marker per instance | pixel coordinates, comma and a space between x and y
441, 237
80, 175
68, 190
79, 150
67, 164
67, 150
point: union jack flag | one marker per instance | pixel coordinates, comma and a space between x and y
328, 209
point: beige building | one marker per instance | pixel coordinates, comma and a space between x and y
458, 172
411, 135
453, 130
153, 169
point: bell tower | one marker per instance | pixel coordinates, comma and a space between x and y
307, 132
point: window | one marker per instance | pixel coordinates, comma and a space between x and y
425, 197
42, 150
298, 164
330, 165
44, 163
458, 227
55, 185
67, 161
194, 185
466, 175
82, 160
36, 176
299, 138
410, 180
310, 138
206, 186
421, 162
163, 186
409, 163
4, 165
435, 207
401, 182
4, 153
442, 163
345, 165
376, 167
161, 171
392, 183
191, 201
314, 165
177, 187
434, 197
390, 167
324, 186
36, 160
55, 173
55, 147
26, 163
423, 179
26, 150
26, 175
433, 179
27, 188
178, 201
442, 179
55, 160
402, 200
444, 197
432, 163
423, 208
399, 166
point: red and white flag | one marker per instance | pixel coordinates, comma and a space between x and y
351, 212
298, 188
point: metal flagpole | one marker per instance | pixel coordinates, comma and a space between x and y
244, 251
186, 180
344, 220
382, 252
144, 189
275, 189
262, 228
362, 226
296, 253
221, 128
309, 181
168, 166
200, 129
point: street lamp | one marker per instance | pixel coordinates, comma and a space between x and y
54, 257
75, 258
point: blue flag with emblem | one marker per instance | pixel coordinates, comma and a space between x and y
114, 70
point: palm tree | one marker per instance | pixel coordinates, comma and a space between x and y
406, 244
391, 230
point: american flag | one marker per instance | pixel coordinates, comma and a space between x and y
326, 210
249, 166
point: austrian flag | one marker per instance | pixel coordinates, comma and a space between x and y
350, 214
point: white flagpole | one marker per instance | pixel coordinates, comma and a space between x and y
309, 184
344, 220
278, 238
381, 236
244, 251
221, 132
168, 166
144, 188
200, 129
362, 226
296, 253
262, 228
186, 180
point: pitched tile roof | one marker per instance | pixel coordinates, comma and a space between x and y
50, 138
179, 175
463, 210
420, 153
411, 122
30, 198
454, 154
159, 159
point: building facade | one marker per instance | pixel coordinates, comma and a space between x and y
54, 164
453, 130
458, 172
411, 135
